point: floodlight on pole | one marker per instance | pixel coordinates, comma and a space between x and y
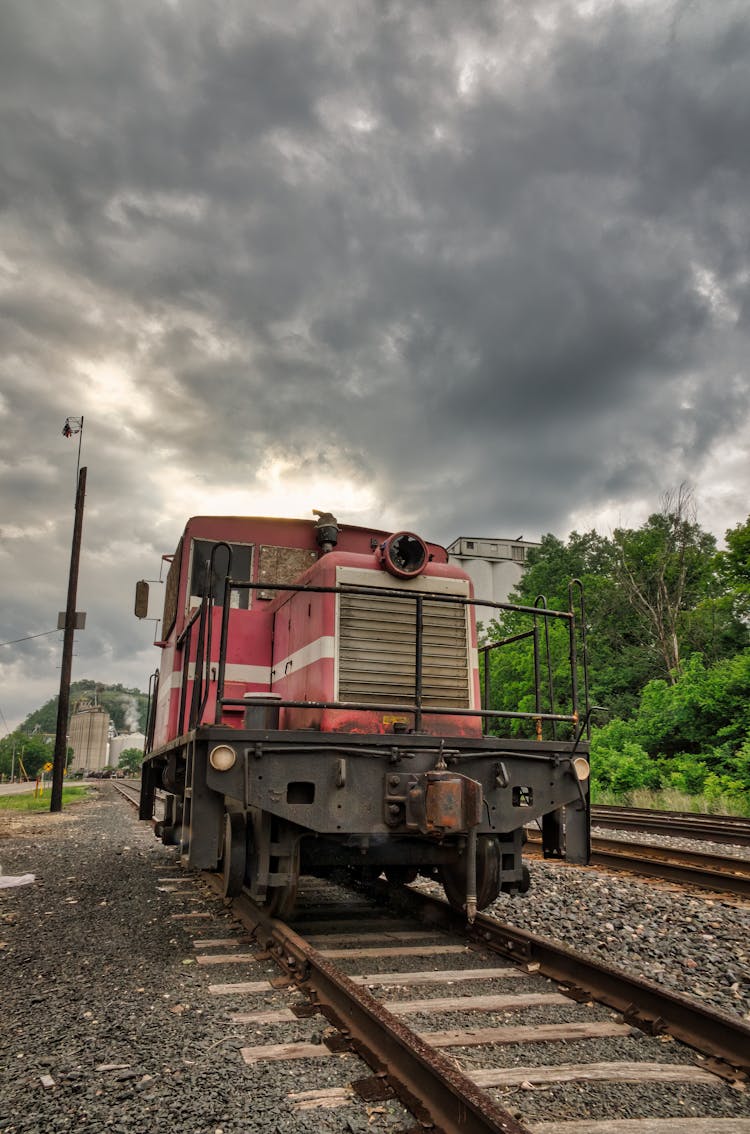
72, 426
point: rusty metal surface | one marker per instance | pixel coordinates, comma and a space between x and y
428, 1082
643, 1003
282, 565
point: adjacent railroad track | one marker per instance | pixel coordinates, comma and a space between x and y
482, 1029
732, 829
707, 871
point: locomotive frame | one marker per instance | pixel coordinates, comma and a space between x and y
283, 749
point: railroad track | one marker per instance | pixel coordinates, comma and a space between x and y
730, 829
476, 1029
128, 790
693, 868
440, 1005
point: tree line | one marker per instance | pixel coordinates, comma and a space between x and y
30, 747
667, 621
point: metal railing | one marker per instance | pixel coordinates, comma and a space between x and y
544, 711
417, 707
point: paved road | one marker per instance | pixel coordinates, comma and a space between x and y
19, 789
16, 789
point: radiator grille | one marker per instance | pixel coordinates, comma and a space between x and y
377, 644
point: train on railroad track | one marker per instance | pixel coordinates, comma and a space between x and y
320, 705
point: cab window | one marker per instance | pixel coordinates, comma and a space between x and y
242, 554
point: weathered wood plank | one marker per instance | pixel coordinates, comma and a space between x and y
279, 1051
326, 1099
441, 976
226, 959
536, 1033
594, 1072
244, 986
337, 924
321, 939
395, 951
496, 1003
676, 1125
221, 942
267, 1016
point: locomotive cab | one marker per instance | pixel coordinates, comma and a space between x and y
319, 706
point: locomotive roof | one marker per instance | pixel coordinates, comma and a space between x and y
291, 522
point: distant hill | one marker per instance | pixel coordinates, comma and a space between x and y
126, 707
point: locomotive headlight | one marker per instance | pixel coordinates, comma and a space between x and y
581, 769
222, 758
404, 555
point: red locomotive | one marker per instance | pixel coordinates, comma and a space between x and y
318, 706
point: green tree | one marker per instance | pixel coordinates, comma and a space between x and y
20, 751
126, 707
734, 567
692, 734
131, 760
665, 568
653, 595
619, 661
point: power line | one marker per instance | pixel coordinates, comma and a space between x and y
44, 634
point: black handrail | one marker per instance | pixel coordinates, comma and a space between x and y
209, 602
153, 693
185, 641
541, 599
416, 708
584, 651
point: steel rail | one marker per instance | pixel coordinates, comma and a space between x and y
692, 868
428, 1082
731, 829
643, 1003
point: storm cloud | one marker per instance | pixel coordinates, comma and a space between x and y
470, 269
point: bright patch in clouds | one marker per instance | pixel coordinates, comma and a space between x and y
279, 489
113, 390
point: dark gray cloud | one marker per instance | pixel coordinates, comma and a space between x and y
467, 268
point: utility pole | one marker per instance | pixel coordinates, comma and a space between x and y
63, 704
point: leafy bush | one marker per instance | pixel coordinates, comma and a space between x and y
619, 763
692, 736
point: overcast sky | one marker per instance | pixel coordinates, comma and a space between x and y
465, 268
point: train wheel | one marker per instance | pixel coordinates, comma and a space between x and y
453, 876
278, 901
235, 852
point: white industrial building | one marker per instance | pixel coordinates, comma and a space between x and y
89, 734
118, 744
495, 567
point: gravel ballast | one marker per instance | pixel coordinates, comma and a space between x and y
692, 942
108, 1022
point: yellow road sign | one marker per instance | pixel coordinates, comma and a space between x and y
48, 767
